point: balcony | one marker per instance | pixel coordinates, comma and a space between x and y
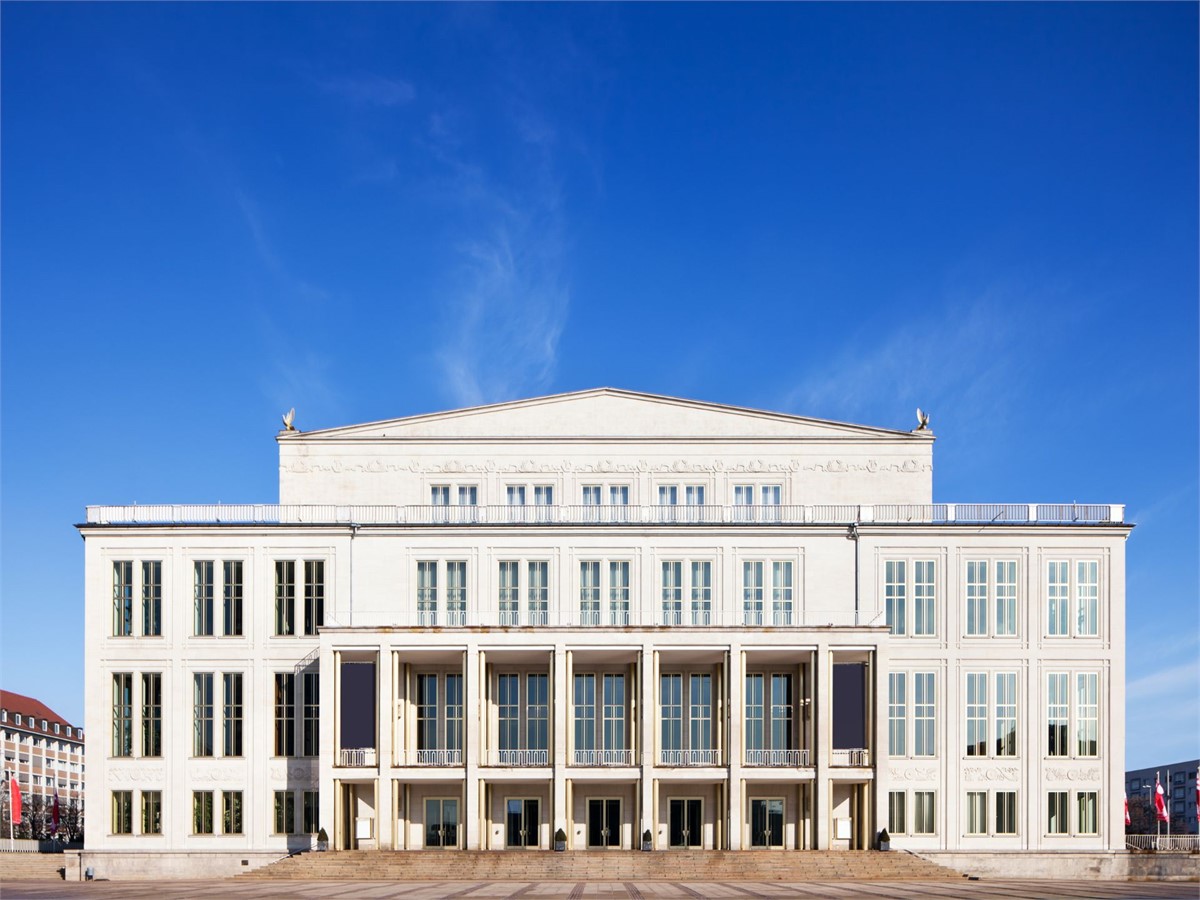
855, 758
434, 757
329, 514
778, 758
689, 758
357, 758
519, 759
603, 758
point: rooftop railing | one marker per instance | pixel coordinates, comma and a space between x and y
882, 514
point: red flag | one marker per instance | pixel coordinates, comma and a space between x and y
1160, 801
1198, 802
15, 801
1128, 821
54, 814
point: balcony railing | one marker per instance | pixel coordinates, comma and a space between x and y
519, 758
357, 757
855, 758
1163, 843
778, 758
687, 758
603, 758
434, 757
886, 514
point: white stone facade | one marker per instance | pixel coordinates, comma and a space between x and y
606, 613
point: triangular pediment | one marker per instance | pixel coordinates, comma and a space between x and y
604, 413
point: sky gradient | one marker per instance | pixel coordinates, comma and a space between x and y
214, 212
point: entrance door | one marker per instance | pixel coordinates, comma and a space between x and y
604, 822
766, 823
685, 822
521, 822
441, 822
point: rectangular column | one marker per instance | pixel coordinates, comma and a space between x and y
558, 674
736, 689
647, 724
384, 735
472, 740
822, 742
875, 809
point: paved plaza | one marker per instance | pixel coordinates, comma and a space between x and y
630, 890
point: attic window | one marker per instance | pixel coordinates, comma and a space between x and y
56, 731
18, 718
45, 725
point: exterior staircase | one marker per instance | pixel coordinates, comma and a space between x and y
31, 867
604, 865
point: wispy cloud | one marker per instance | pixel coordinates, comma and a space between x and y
370, 90
509, 298
298, 288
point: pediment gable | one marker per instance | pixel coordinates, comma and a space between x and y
603, 413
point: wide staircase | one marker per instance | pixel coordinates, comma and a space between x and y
607, 865
30, 867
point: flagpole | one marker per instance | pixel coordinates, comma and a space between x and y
1166, 803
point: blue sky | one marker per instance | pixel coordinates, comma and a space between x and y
212, 213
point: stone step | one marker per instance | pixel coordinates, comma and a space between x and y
425, 865
30, 867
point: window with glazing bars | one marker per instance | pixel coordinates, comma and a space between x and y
613, 711
151, 812
123, 598
1006, 812
202, 714
618, 592
1088, 812
285, 813
1087, 589
897, 713
1006, 713
701, 571
231, 812
672, 593
285, 597
233, 711
202, 812
1056, 813
585, 711
310, 742
285, 714
752, 592
312, 812
977, 714
781, 592
1087, 714
895, 595
539, 592
122, 812
923, 813
897, 813
314, 595
152, 598
510, 592
700, 711
122, 689
427, 598
203, 598
671, 714
924, 602
589, 592
1058, 599
456, 592
151, 714
924, 711
232, 619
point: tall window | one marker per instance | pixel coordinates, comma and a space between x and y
285, 714
923, 597
1087, 589
977, 597
1006, 812
589, 592
700, 711
781, 592
977, 714
592, 494
468, 495
671, 718
585, 711
439, 494
456, 592
977, 812
232, 618
539, 592
285, 813
231, 812
1006, 713
454, 711
202, 812
895, 595
1057, 713
515, 494
1003, 705
314, 595
202, 714
203, 598
123, 598
1056, 813
924, 711
897, 713
1058, 598
122, 812
285, 597
152, 598
668, 494
151, 812
151, 714
537, 710
923, 813
122, 742
701, 571
1086, 714
311, 812
311, 730
427, 711
618, 592
543, 495
672, 593
781, 711
1006, 597
427, 599
897, 814
510, 592
752, 592
1089, 818
613, 711
232, 712
755, 712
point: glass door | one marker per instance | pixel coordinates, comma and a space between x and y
685, 821
766, 823
521, 822
441, 822
604, 822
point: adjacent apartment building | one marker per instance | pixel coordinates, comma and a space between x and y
629, 617
43, 751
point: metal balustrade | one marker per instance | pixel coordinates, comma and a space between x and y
434, 757
778, 758
853, 758
1163, 843
357, 757
519, 758
603, 758
709, 514
686, 758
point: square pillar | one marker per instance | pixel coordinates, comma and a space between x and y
472, 741
558, 675
822, 743
736, 669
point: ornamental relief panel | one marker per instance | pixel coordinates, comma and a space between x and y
305, 773
608, 466
1075, 773
913, 773
991, 773
137, 775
